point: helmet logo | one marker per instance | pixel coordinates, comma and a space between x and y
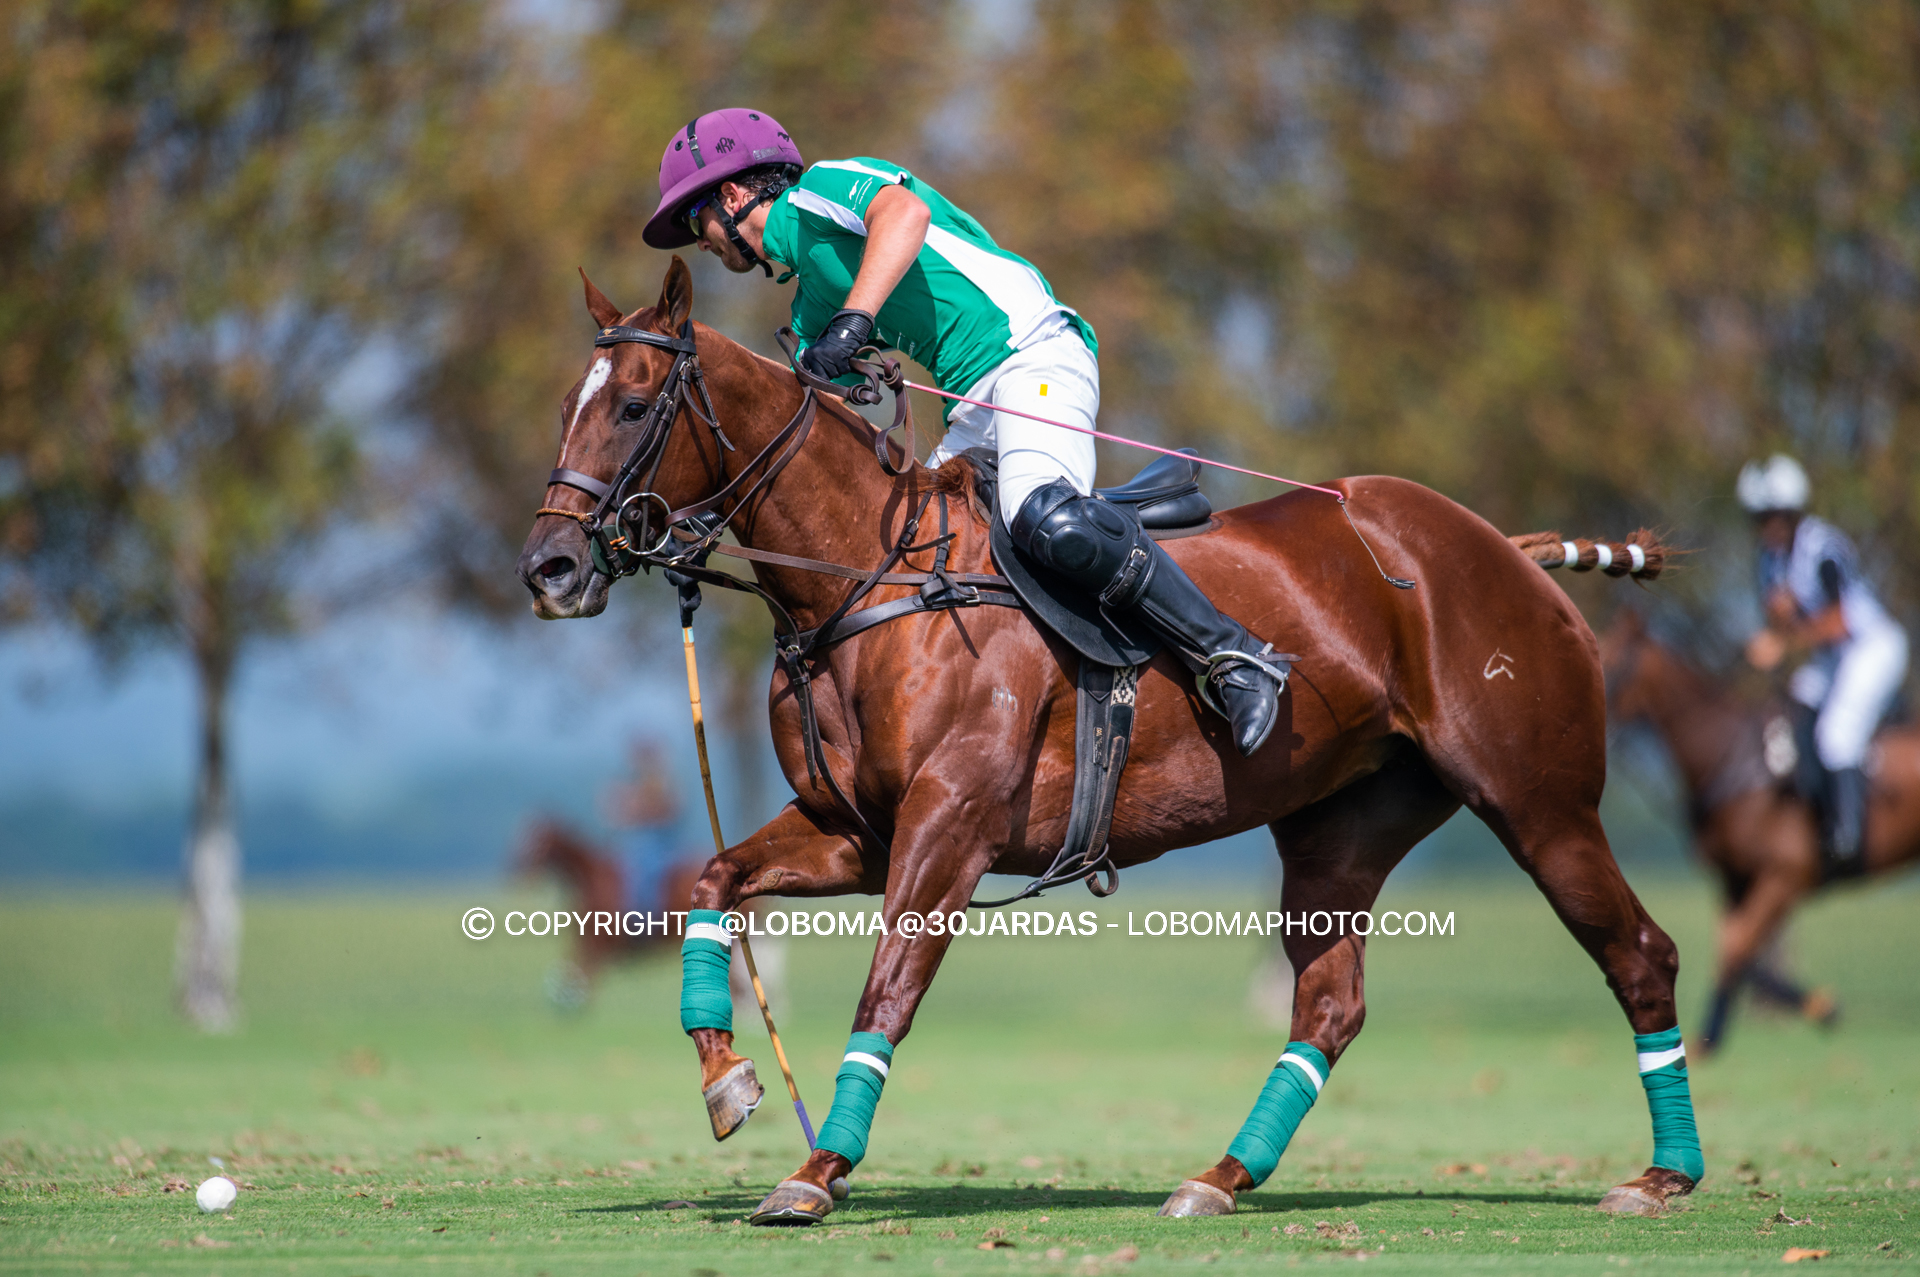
725, 145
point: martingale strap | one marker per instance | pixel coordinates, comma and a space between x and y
697, 528
797, 648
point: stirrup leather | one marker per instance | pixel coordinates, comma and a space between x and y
1220, 662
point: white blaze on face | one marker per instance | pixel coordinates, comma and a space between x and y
596, 379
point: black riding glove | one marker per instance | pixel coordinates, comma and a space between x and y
828, 358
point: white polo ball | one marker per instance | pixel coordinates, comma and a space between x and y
216, 1194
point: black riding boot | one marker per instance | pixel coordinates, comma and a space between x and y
1844, 854
1101, 548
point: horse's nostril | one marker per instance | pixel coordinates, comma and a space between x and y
557, 566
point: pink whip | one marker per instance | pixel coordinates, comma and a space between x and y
1131, 443
1400, 583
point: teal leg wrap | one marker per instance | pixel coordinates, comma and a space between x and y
1663, 1072
705, 1002
856, 1093
1290, 1091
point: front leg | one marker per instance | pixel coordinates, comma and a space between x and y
934, 871
792, 856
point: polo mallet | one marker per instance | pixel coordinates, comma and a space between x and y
689, 600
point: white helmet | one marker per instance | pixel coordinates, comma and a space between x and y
1778, 483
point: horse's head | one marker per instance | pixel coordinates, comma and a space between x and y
615, 432
540, 851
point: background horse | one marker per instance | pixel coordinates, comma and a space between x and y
1749, 822
953, 732
595, 882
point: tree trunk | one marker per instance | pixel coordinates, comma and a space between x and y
208, 957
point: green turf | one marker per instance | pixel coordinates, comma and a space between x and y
402, 1095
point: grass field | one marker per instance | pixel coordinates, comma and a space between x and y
403, 1096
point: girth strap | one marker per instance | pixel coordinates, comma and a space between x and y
1103, 735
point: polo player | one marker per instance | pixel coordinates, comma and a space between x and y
883, 259
1818, 604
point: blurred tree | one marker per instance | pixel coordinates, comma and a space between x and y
194, 204
556, 168
1570, 262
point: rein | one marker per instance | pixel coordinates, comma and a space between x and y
625, 543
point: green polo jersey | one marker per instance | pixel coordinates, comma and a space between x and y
963, 306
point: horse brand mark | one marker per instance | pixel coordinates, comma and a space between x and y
1497, 664
1003, 699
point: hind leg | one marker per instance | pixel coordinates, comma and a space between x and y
1555, 835
1337, 854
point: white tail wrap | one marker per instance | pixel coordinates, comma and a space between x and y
1570, 554
710, 931
1606, 555
1305, 1066
1637, 557
873, 1062
1651, 1060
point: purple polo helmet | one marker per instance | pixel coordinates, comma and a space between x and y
711, 149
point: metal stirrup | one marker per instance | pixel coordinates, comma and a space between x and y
1220, 662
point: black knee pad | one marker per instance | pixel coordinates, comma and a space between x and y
1092, 543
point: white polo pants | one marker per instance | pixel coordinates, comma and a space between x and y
1865, 678
1057, 378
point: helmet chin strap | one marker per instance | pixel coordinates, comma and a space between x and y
731, 223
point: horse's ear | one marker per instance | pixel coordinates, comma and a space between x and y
604, 312
676, 295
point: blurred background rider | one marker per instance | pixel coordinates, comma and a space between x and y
1815, 602
884, 259
646, 812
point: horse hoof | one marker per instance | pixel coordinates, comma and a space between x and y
1648, 1195
1197, 1198
1821, 1008
794, 1203
732, 1100
838, 1188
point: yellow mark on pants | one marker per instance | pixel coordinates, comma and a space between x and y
1043, 390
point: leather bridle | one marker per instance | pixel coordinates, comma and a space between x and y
622, 538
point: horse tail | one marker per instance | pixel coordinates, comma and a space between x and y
1641, 556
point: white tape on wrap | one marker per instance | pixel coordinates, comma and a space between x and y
1606, 555
710, 931
1570, 553
1305, 1066
873, 1062
1651, 1060
1636, 556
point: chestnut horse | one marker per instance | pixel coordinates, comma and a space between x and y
596, 884
954, 731
1756, 831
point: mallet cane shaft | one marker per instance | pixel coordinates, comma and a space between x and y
719, 846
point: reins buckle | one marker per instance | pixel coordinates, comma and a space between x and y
940, 591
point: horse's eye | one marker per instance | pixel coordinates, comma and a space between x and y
633, 411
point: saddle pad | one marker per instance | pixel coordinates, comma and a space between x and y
1060, 605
